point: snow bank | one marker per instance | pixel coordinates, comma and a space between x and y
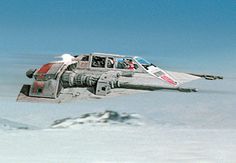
98, 118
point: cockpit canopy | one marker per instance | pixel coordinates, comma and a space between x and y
106, 61
143, 62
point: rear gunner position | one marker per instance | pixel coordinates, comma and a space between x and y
101, 73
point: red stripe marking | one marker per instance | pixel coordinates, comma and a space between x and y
169, 80
45, 68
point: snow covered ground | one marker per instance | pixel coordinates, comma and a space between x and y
118, 144
171, 126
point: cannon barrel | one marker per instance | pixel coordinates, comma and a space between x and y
153, 87
207, 77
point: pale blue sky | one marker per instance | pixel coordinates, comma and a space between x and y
162, 30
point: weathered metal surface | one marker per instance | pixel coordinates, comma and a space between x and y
73, 79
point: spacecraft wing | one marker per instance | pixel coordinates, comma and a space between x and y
182, 77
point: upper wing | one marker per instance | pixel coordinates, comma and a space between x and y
182, 77
187, 77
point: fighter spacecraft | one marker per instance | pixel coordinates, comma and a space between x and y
96, 75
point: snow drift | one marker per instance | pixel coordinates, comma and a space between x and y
98, 118
9, 125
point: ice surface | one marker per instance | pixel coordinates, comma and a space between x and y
118, 144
